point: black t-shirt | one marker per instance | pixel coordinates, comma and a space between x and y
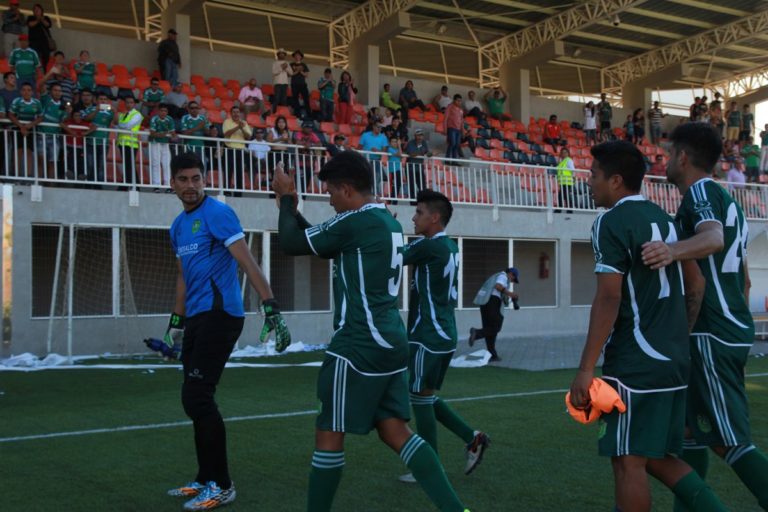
37, 36
297, 79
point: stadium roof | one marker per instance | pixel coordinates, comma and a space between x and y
605, 43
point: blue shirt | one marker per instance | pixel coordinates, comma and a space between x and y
371, 142
200, 239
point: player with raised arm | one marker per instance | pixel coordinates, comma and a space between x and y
714, 233
208, 319
362, 384
432, 325
638, 319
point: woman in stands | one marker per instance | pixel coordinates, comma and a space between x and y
590, 123
39, 28
347, 91
276, 135
408, 100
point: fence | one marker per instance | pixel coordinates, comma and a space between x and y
238, 167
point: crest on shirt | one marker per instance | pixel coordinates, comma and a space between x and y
195, 226
700, 206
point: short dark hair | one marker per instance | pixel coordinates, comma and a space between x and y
130, 97
57, 53
7, 74
328, 70
436, 202
622, 158
154, 79
27, 84
188, 160
86, 91
351, 168
456, 97
701, 143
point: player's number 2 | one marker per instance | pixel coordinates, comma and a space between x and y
397, 264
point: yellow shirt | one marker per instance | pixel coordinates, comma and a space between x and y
237, 135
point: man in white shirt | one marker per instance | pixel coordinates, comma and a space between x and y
472, 107
251, 98
492, 297
281, 73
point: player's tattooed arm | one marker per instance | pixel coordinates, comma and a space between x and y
694, 290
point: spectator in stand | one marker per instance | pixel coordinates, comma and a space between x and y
251, 99
716, 114
9, 92
751, 154
417, 150
495, 100
553, 132
605, 115
169, 57
763, 149
629, 129
638, 119
281, 73
693, 110
590, 123
300, 72
86, 71
213, 147
472, 107
176, 101
377, 142
454, 126
59, 74
236, 131
733, 123
703, 115
395, 167
339, 145
408, 100
162, 130
129, 121
13, 27
658, 168
397, 129
76, 129
39, 31
327, 87
307, 139
347, 91
564, 176
386, 100
259, 150
735, 177
277, 135
747, 123
466, 136
48, 145
96, 145
195, 124
442, 100
386, 119
655, 116
26, 113
152, 98
25, 62
729, 151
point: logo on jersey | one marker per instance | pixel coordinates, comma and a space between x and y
602, 430
195, 226
703, 423
700, 206
185, 250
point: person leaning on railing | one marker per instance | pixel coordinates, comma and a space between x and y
130, 120
417, 150
76, 129
565, 180
25, 113
237, 130
55, 110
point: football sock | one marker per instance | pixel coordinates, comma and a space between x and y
452, 421
698, 458
696, 495
751, 466
324, 479
424, 414
422, 460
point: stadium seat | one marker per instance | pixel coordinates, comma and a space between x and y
214, 116
140, 71
141, 83
294, 124
227, 105
284, 111
203, 91
215, 81
165, 85
209, 104
327, 127
120, 70
267, 89
101, 68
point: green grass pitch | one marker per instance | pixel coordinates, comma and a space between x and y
539, 460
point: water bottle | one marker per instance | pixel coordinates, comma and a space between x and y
156, 345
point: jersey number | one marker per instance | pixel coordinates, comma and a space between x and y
450, 272
732, 261
671, 237
397, 264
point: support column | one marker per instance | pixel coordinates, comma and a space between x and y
180, 22
364, 68
517, 82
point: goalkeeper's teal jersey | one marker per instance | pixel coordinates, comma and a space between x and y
648, 347
366, 246
432, 319
724, 311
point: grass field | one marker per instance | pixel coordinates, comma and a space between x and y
540, 460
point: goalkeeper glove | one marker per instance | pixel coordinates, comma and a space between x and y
175, 333
273, 321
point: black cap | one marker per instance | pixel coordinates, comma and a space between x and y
308, 124
514, 272
173, 31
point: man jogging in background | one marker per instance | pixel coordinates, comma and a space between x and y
492, 297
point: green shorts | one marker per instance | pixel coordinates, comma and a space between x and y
354, 402
426, 369
653, 425
717, 411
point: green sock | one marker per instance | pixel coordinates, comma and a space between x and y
422, 460
751, 466
424, 414
696, 495
453, 421
698, 458
324, 479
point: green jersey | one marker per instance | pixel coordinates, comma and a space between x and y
53, 112
160, 125
648, 347
188, 123
102, 119
154, 96
85, 73
431, 318
26, 110
605, 111
25, 61
747, 119
734, 119
366, 246
724, 312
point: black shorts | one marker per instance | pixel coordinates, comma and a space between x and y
605, 125
208, 340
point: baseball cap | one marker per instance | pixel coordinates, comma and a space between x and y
418, 131
14, 2
308, 124
172, 31
514, 272
23, 37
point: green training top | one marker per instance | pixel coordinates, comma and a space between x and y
26, 62
85, 73
188, 122
366, 246
648, 347
724, 311
157, 124
53, 112
431, 318
26, 110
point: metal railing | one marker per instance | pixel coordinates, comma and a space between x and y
107, 162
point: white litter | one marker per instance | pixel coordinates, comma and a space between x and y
472, 360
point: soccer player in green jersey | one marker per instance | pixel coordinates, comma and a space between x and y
432, 325
642, 314
714, 233
362, 384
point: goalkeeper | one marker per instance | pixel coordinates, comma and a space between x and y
209, 244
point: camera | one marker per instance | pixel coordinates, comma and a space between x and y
515, 304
